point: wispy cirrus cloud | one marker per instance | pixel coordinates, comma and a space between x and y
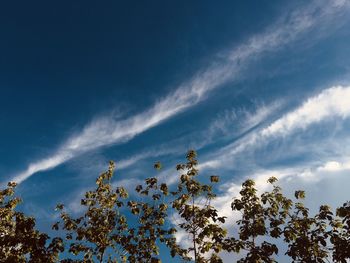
330, 103
107, 131
242, 119
289, 27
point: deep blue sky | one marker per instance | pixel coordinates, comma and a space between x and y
257, 87
64, 62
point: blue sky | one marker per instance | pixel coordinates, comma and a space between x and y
258, 88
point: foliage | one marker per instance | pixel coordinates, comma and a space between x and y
199, 218
116, 227
253, 223
307, 236
102, 228
152, 227
340, 234
19, 240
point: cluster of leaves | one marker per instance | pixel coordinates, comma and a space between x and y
103, 232
272, 216
19, 240
116, 227
198, 217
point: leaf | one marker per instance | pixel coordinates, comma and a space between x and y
59, 207
299, 194
157, 166
138, 188
214, 179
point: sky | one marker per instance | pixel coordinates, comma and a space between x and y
258, 88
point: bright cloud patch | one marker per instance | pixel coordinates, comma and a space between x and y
333, 102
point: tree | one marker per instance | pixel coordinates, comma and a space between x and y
340, 234
274, 216
118, 227
198, 217
103, 233
307, 236
152, 227
103, 228
260, 217
19, 240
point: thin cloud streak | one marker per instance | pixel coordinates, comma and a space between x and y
106, 131
318, 13
330, 103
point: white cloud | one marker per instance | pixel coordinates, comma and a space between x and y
329, 104
331, 166
107, 131
333, 102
